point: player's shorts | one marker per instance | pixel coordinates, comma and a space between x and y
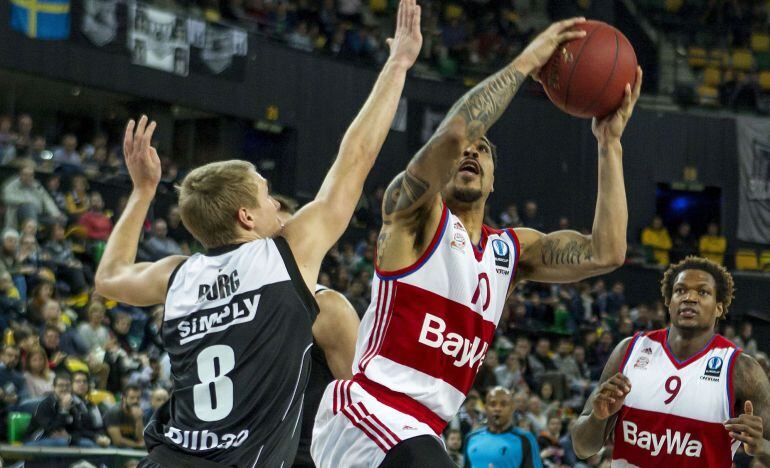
354, 430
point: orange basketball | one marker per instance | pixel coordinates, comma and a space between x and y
586, 77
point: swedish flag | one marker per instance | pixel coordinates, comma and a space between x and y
41, 19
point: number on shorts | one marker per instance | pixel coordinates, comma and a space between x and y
673, 384
213, 404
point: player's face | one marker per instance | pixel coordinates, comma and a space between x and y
474, 174
266, 212
693, 304
499, 406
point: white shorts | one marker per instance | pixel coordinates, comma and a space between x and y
354, 430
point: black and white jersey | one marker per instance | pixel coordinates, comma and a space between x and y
238, 330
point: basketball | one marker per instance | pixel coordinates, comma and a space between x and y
586, 77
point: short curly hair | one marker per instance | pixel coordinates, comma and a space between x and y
722, 278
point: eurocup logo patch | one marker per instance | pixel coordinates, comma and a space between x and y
502, 253
714, 367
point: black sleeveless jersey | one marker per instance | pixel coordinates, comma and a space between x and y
238, 330
320, 377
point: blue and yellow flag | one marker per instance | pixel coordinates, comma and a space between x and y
41, 19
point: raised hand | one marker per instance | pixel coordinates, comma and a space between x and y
611, 396
611, 127
142, 159
406, 42
543, 46
748, 428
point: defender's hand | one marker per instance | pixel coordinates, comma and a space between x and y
748, 428
407, 41
611, 396
543, 46
141, 158
610, 128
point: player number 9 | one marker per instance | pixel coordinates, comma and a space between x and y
673, 384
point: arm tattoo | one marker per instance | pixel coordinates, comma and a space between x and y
403, 192
484, 104
573, 252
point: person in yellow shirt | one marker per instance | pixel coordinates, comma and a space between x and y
656, 238
712, 245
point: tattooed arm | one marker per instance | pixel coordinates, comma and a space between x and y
567, 256
412, 201
752, 426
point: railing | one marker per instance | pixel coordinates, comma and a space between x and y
66, 456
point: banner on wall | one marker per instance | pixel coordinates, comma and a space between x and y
41, 19
158, 39
753, 139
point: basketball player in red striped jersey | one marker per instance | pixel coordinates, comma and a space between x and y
443, 277
683, 396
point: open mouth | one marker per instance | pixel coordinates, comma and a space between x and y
470, 166
688, 312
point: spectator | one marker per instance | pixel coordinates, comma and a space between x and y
11, 306
509, 374
535, 414
158, 398
485, 377
39, 379
67, 154
531, 218
70, 342
77, 198
745, 340
12, 381
177, 231
42, 293
25, 198
520, 400
92, 423
23, 134
551, 450
159, 245
615, 299
50, 340
97, 224
540, 362
510, 217
58, 249
58, 419
683, 244
53, 186
124, 422
356, 297
500, 443
656, 238
713, 245
470, 416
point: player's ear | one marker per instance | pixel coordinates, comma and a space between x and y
245, 219
720, 310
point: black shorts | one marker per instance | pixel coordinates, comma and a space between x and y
418, 452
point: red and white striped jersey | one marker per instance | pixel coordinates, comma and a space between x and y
429, 326
675, 411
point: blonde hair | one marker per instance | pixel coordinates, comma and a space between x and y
209, 199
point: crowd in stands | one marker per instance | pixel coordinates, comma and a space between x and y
662, 249
95, 369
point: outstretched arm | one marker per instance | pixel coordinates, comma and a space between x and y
752, 397
335, 331
595, 422
328, 215
568, 256
467, 121
118, 277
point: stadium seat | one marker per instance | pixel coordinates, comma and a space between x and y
708, 95
696, 57
746, 260
712, 77
718, 58
18, 424
760, 42
742, 59
673, 6
764, 260
764, 80
98, 397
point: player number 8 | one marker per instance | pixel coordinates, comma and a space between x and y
213, 397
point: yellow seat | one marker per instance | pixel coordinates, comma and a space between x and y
712, 77
696, 57
764, 260
764, 80
742, 60
718, 58
673, 6
746, 259
760, 42
708, 95
98, 397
